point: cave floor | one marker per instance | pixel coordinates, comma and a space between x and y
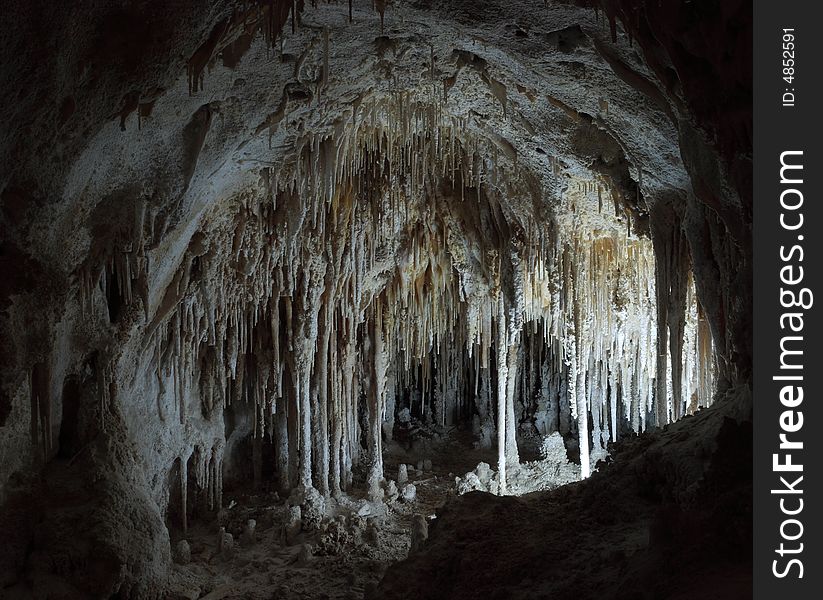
345, 562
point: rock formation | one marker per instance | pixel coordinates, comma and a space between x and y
250, 243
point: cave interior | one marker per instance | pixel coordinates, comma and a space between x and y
411, 299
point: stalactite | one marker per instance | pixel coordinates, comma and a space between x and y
41, 407
322, 392
361, 244
282, 444
512, 455
377, 385
502, 369
184, 486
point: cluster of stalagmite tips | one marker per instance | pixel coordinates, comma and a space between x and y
381, 271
